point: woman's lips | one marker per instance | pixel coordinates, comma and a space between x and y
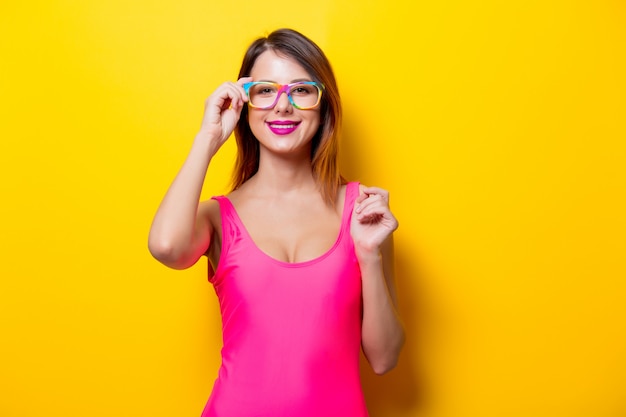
282, 127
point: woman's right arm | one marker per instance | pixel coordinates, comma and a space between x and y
181, 230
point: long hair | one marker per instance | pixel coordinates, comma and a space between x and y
325, 144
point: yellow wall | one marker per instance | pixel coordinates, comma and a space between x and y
498, 127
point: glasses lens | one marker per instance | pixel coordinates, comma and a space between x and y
304, 95
262, 94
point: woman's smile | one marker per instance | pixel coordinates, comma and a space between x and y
282, 127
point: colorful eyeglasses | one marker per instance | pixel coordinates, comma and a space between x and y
303, 95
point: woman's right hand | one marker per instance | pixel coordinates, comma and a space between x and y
222, 111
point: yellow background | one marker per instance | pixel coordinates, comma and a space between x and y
498, 128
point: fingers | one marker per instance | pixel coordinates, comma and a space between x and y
244, 80
223, 108
241, 95
373, 193
237, 96
228, 95
371, 196
371, 209
373, 205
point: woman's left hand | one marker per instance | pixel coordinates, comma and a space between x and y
372, 220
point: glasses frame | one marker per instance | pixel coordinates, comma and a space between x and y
284, 88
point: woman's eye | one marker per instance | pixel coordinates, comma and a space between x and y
265, 91
301, 91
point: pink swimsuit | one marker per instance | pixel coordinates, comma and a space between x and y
291, 331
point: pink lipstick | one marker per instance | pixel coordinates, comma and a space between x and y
282, 127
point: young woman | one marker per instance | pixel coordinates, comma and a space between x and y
301, 261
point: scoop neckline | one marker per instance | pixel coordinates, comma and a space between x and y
328, 252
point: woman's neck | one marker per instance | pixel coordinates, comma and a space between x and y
283, 174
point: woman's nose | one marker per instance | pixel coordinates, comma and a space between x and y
283, 103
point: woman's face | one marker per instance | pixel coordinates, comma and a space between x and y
284, 128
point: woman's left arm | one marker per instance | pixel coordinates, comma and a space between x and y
372, 230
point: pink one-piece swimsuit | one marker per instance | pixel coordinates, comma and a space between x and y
291, 331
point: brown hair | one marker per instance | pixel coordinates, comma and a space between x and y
325, 145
